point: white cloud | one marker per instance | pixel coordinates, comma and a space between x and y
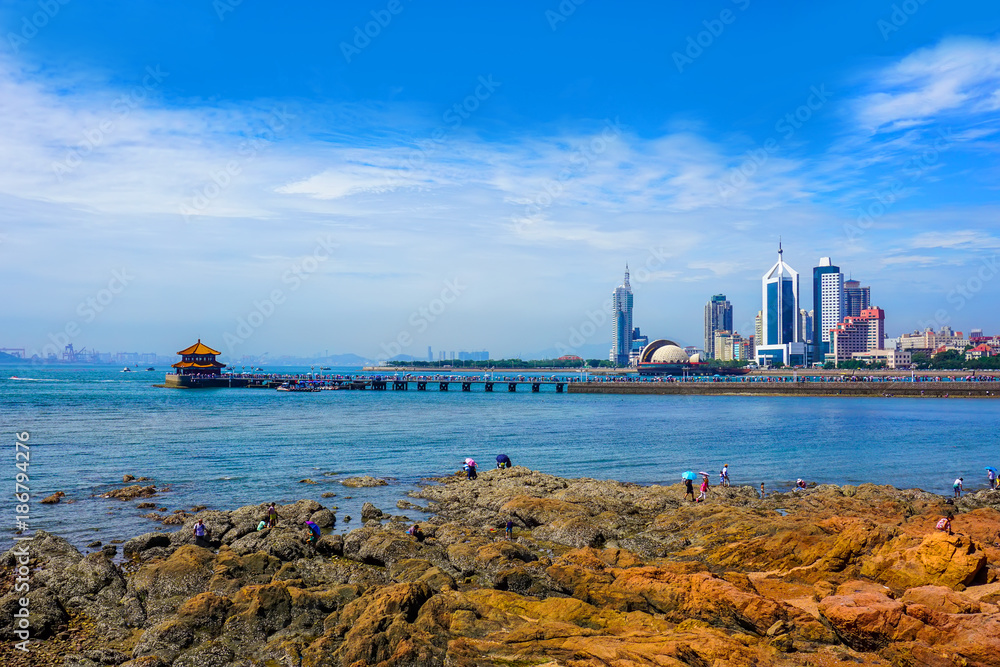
956, 76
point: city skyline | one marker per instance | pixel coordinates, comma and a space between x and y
350, 193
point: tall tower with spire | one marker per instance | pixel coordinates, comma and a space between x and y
781, 326
621, 336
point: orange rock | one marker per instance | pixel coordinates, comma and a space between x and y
868, 621
940, 559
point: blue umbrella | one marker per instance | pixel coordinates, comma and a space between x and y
688, 475
991, 468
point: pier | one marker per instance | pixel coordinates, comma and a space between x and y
308, 382
750, 385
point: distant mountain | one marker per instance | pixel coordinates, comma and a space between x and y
10, 359
345, 360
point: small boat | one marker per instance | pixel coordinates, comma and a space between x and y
324, 368
150, 369
295, 387
126, 370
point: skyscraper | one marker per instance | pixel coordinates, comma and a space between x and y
856, 298
718, 317
781, 335
621, 336
828, 304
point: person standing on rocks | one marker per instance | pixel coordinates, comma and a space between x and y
272, 516
762, 490
689, 489
704, 489
200, 534
725, 475
509, 531
958, 487
470, 469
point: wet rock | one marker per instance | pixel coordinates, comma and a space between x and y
165, 641
378, 547
131, 492
145, 506
46, 614
307, 481
94, 545
363, 481
371, 513
128, 478
323, 518
328, 494
53, 499
137, 545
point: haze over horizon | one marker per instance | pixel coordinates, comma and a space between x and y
474, 177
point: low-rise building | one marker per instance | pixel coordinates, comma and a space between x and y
980, 351
892, 357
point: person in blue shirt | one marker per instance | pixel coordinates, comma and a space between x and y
503, 461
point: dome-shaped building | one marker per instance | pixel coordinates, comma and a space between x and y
665, 357
669, 354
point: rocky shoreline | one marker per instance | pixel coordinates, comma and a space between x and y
598, 573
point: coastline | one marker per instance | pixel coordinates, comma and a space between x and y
596, 568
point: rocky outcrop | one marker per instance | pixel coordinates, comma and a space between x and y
598, 572
363, 481
131, 492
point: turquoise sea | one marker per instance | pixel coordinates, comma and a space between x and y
225, 448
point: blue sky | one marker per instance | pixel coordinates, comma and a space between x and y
469, 176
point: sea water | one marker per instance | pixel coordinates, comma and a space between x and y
225, 448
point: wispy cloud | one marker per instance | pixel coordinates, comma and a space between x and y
957, 77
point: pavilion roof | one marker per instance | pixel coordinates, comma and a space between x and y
192, 364
199, 348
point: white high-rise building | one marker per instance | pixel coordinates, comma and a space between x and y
621, 320
831, 296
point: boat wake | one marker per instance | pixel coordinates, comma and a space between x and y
15, 377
